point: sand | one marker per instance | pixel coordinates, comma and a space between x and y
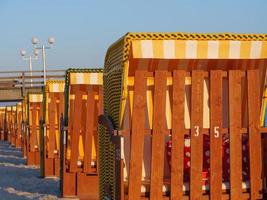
18, 181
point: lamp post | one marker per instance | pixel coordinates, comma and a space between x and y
29, 58
51, 41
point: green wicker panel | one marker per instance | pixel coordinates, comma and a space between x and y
107, 165
113, 79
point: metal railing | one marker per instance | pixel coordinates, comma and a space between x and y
23, 79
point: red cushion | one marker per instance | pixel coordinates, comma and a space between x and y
206, 158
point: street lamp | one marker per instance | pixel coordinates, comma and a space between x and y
29, 58
51, 41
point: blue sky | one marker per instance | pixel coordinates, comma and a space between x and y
84, 29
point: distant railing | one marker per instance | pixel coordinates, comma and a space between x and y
27, 79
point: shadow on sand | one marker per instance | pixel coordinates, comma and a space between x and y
18, 181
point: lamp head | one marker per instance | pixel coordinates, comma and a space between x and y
51, 40
22, 52
36, 52
35, 40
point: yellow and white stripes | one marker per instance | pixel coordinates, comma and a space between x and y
14, 108
35, 98
57, 86
2, 110
86, 78
194, 49
19, 107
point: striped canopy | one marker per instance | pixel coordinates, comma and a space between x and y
193, 51
172, 51
77, 78
19, 107
89, 78
35, 98
55, 86
199, 49
14, 108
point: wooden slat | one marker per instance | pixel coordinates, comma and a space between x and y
57, 119
33, 127
196, 135
235, 134
89, 129
76, 130
61, 105
60, 113
83, 123
40, 117
177, 154
19, 124
52, 128
70, 116
254, 133
158, 137
137, 136
216, 134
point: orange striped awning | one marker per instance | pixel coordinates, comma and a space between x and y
14, 108
86, 78
55, 86
199, 49
35, 98
19, 106
2, 110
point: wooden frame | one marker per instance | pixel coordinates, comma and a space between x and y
24, 128
18, 125
50, 137
2, 123
35, 113
79, 137
13, 125
8, 120
160, 185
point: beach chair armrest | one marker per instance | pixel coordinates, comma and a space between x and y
107, 123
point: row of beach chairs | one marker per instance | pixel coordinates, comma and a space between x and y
171, 116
